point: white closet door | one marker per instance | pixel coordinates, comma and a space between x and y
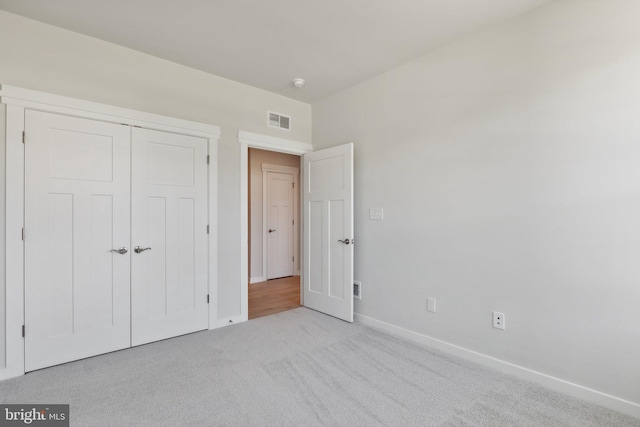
169, 217
77, 195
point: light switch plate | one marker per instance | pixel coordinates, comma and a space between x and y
375, 214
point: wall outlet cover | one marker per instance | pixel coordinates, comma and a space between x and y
498, 320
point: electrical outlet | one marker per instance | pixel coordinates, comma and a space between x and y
431, 304
498, 320
357, 289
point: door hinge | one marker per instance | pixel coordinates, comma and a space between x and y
22, 233
207, 298
208, 159
23, 136
207, 228
292, 259
293, 185
22, 331
293, 222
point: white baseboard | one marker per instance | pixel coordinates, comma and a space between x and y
557, 384
227, 322
6, 373
257, 279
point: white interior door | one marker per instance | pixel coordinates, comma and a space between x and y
77, 297
328, 231
279, 225
169, 224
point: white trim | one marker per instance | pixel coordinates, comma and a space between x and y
17, 100
294, 172
14, 248
213, 231
557, 384
266, 167
36, 100
258, 279
265, 190
244, 232
228, 321
272, 143
269, 143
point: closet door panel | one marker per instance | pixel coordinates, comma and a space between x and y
77, 209
169, 227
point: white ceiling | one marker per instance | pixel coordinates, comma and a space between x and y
332, 44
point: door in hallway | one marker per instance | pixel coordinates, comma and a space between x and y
280, 224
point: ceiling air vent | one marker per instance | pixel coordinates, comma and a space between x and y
279, 121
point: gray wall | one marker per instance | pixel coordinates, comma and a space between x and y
508, 165
41, 57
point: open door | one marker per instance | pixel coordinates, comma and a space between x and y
327, 277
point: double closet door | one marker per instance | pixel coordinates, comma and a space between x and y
115, 237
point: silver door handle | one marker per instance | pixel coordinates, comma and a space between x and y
346, 241
139, 249
121, 251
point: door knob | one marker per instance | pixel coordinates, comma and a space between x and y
139, 249
345, 241
121, 251
271, 231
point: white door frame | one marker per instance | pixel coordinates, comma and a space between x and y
17, 100
266, 168
269, 143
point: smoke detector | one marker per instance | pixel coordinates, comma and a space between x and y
298, 83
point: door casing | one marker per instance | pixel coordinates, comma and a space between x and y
248, 140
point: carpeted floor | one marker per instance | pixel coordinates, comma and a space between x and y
296, 368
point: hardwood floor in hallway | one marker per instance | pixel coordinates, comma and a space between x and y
274, 296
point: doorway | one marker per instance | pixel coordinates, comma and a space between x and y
327, 286
273, 232
274, 296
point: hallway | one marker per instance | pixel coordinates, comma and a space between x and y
274, 296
